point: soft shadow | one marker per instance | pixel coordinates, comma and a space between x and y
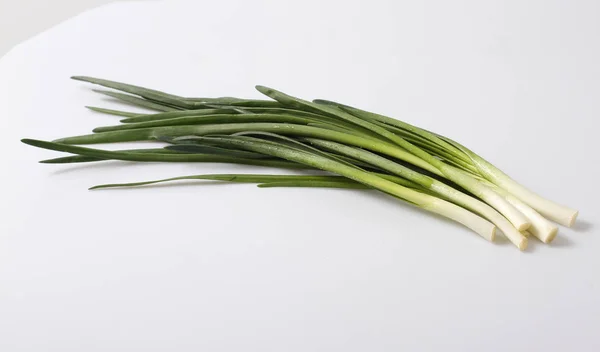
561, 241
502, 240
582, 226
532, 244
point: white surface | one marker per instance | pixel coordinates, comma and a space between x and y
231, 268
21, 19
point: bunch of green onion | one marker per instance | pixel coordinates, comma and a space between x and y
357, 148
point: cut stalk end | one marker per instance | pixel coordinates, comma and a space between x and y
522, 245
545, 233
550, 236
570, 221
524, 226
492, 237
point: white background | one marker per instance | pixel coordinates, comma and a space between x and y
233, 267
21, 19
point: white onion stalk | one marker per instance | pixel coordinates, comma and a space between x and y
452, 151
541, 228
476, 223
512, 233
558, 213
440, 188
471, 184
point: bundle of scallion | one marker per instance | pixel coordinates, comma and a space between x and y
360, 149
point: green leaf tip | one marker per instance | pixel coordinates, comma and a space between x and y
42, 144
29, 141
264, 90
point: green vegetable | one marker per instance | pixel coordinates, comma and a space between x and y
359, 149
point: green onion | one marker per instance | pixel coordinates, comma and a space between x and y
145, 93
362, 149
272, 180
145, 134
206, 120
136, 101
556, 212
313, 184
242, 178
163, 157
115, 112
561, 214
175, 114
